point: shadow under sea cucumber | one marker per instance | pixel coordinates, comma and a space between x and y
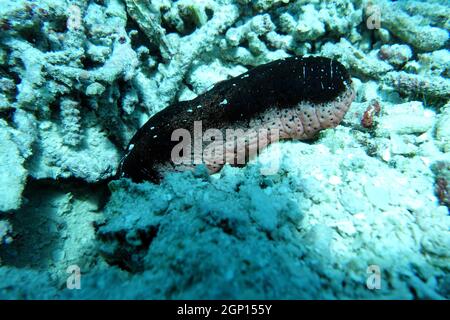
296, 97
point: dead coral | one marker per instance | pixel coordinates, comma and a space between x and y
70, 115
248, 43
161, 87
61, 50
417, 85
412, 29
360, 63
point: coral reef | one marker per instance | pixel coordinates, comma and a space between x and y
251, 33
416, 85
78, 78
360, 64
410, 29
59, 56
432, 12
161, 88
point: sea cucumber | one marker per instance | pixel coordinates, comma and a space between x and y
295, 96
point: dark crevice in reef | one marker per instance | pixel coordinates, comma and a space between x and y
209, 13
55, 110
113, 122
140, 38
186, 26
133, 247
89, 64
40, 226
189, 26
122, 87
9, 74
188, 85
166, 26
8, 115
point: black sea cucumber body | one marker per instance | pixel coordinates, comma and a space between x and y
297, 96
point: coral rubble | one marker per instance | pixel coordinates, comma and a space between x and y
78, 78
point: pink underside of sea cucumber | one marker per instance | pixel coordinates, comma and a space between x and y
301, 122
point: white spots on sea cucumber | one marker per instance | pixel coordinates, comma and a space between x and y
245, 76
199, 106
152, 128
130, 147
331, 69
189, 110
224, 101
155, 136
234, 84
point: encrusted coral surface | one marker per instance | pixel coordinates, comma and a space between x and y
78, 78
